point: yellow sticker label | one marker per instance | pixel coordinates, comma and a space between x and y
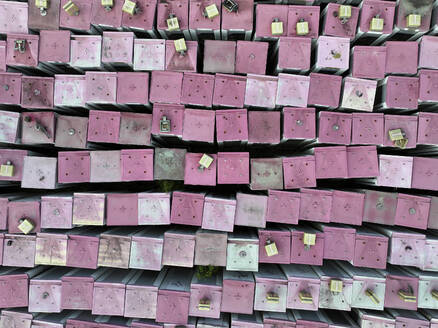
434, 294
129, 7
305, 297
205, 160
271, 249
396, 134
211, 11
344, 11
302, 28
407, 296
272, 298
309, 239
7, 170
204, 305
71, 9
44, 4
172, 24
277, 28
376, 24
413, 21
26, 226
372, 295
107, 3
336, 286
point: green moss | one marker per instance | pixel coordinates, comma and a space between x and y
203, 272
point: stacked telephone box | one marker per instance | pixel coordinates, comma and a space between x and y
218, 163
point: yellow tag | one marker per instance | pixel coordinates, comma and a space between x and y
107, 3
376, 24
336, 286
129, 7
305, 297
7, 170
211, 11
44, 4
407, 296
435, 294
344, 12
204, 305
272, 298
413, 21
271, 249
71, 9
172, 24
373, 296
309, 239
396, 134
205, 160
302, 28
277, 28
26, 226
401, 143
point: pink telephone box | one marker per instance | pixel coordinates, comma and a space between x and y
210, 248
174, 296
19, 251
232, 125
299, 172
266, 173
83, 248
77, 289
283, 207
251, 210
219, 214
412, 211
179, 247
45, 291
122, 209
187, 208
401, 289
14, 285
142, 293
339, 242
347, 207
299, 123
238, 292
307, 245
229, 90
109, 292
362, 162
303, 287
371, 249
206, 296
331, 162
137, 164
147, 249
274, 237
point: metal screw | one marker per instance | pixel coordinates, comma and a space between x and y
412, 211
335, 127
45, 295
242, 253
71, 132
6, 87
299, 122
56, 212
36, 92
